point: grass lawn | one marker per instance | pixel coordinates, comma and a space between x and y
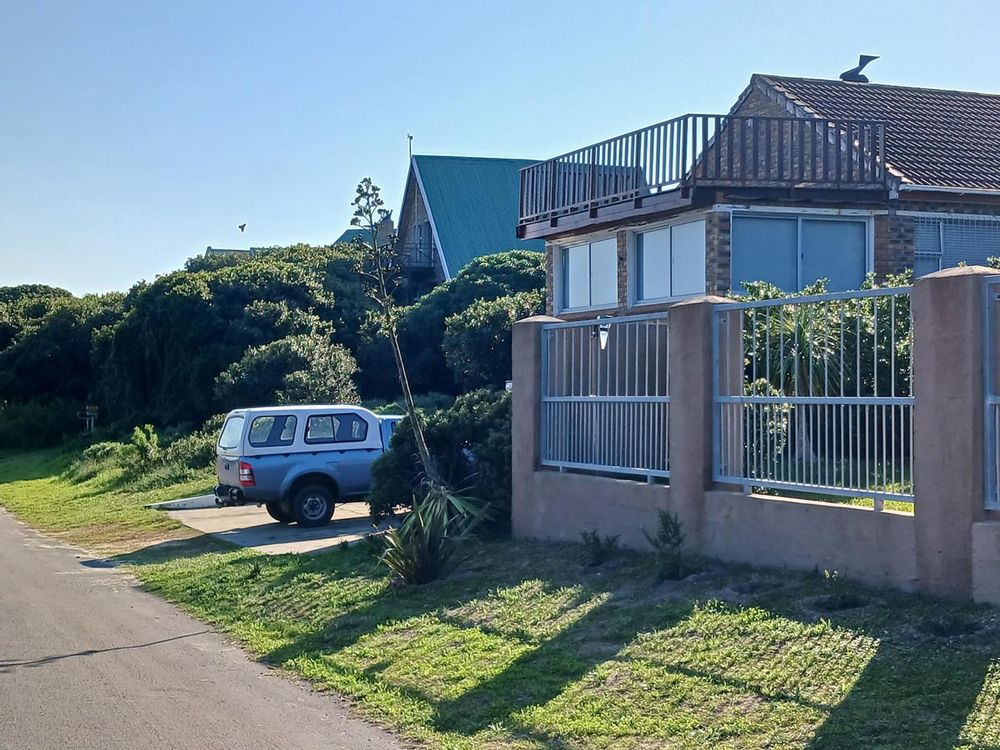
524, 647
100, 513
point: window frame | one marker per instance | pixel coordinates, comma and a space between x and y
941, 218
291, 441
239, 437
859, 216
635, 261
334, 441
560, 274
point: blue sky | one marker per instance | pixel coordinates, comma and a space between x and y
133, 134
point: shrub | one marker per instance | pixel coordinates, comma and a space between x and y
38, 424
470, 441
423, 323
146, 448
477, 341
598, 550
96, 459
299, 368
431, 539
669, 546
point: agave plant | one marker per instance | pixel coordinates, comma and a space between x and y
435, 536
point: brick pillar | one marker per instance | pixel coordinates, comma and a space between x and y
526, 407
691, 410
948, 444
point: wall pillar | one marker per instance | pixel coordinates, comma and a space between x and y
691, 411
948, 442
526, 407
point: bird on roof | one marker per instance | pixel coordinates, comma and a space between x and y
854, 74
242, 227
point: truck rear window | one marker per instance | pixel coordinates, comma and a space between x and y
272, 431
232, 431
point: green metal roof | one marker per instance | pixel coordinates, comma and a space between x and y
473, 204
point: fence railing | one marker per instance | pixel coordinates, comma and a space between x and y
814, 394
605, 395
712, 150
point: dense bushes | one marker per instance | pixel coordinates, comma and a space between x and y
144, 462
288, 324
477, 342
423, 324
37, 423
470, 441
295, 369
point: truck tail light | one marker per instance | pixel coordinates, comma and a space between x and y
246, 475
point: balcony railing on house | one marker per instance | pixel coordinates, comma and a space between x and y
418, 255
707, 150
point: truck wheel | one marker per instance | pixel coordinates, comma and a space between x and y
313, 505
279, 512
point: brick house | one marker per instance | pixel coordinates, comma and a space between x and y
803, 179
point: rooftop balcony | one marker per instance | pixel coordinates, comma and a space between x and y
662, 167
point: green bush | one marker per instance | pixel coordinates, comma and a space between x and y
477, 341
422, 328
598, 550
295, 369
470, 440
668, 543
38, 424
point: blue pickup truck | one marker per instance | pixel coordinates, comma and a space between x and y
298, 461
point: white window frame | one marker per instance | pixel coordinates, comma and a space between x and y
632, 250
559, 272
941, 217
772, 212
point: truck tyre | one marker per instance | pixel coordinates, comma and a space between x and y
313, 505
279, 512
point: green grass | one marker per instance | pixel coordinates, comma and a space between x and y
102, 512
525, 647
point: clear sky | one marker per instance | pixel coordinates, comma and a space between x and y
133, 134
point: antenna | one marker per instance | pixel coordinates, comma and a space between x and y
854, 74
409, 144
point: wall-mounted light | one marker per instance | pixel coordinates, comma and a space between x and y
603, 331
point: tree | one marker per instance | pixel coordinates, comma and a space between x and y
477, 341
422, 327
380, 264
301, 368
426, 540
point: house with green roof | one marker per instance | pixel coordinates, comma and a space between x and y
456, 208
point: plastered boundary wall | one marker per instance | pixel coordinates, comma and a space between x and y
949, 547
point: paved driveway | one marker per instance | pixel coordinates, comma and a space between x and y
250, 526
88, 661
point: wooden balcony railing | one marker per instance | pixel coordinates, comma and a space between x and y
418, 255
709, 150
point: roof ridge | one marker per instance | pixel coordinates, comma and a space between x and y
776, 79
471, 158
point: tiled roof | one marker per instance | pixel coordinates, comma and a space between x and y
933, 137
473, 203
349, 236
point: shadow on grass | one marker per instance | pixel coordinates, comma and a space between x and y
170, 550
907, 698
543, 673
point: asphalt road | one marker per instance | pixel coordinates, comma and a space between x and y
88, 660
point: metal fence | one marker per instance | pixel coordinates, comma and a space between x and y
606, 395
814, 394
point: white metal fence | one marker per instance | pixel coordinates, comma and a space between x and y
606, 395
814, 394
